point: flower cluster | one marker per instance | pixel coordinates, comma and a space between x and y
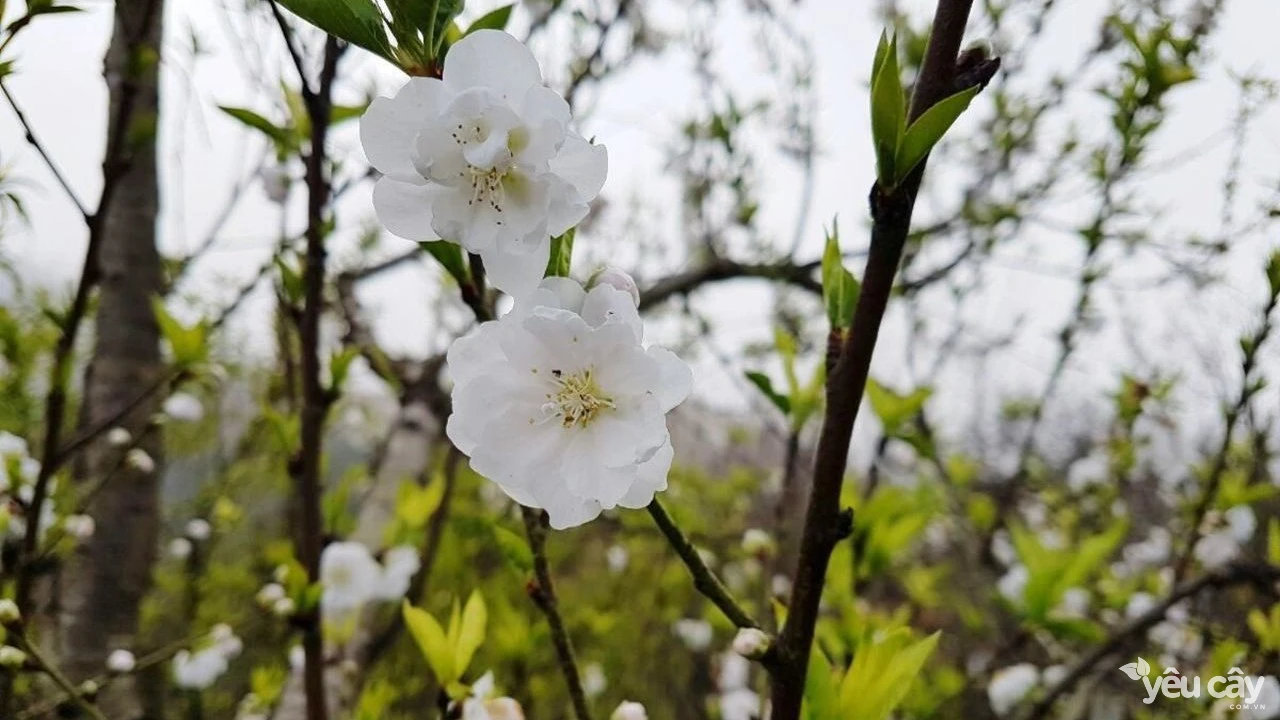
200, 667
558, 402
351, 577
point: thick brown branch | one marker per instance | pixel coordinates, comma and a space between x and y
825, 523
724, 269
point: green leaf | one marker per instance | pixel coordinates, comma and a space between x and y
340, 366
882, 674
762, 381
446, 11
50, 9
894, 409
188, 343
493, 20
839, 288
928, 129
339, 114
359, 22
1273, 541
471, 634
882, 52
888, 114
415, 504
561, 260
281, 137
432, 641
821, 694
450, 258
514, 549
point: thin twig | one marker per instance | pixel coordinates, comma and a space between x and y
50, 669
1261, 576
704, 579
543, 593
308, 94
797, 274
34, 142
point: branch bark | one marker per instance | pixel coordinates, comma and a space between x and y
825, 522
543, 592
307, 467
107, 578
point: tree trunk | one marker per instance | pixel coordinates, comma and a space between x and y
107, 578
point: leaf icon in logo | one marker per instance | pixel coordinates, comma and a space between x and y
1136, 670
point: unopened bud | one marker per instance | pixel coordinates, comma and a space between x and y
121, 661
629, 710
616, 279
751, 643
139, 460
9, 613
119, 437
11, 657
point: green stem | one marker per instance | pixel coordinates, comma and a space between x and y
703, 578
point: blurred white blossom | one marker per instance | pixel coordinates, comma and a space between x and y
183, 406
399, 565
199, 529
180, 548
616, 557
349, 575
121, 661
1010, 685
629, 710
694, 633
139, 460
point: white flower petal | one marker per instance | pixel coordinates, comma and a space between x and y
491, 59
405, 209
651, 479
677, 378
583, 165
390, 125
516, 273
605, 304
560, 292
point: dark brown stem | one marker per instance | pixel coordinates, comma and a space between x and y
543, 593
33, 141
799, 275
826, 523
316, 399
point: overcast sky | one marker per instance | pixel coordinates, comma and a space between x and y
59, 84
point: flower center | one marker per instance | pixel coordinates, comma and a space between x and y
577, 399
340, 577
487, 183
